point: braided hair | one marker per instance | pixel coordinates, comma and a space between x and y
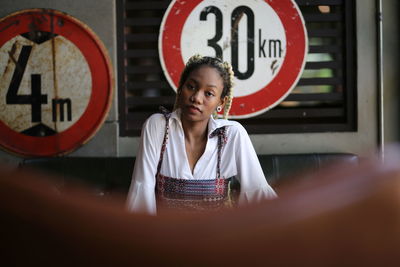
223, 68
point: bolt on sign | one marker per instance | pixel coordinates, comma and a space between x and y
56, 83
264, 40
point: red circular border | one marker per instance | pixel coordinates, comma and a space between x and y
267, 97
102, 83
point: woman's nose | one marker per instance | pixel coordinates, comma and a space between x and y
196, 97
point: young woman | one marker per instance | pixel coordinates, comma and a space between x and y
187, 158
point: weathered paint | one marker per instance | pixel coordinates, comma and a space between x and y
58, 83
64, 75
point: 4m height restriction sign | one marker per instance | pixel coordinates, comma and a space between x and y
264, 40
56, 83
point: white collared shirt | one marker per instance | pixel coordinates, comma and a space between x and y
238, 159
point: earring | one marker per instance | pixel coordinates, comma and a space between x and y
219, 108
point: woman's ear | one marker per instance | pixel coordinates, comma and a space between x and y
223, 101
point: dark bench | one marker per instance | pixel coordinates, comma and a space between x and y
113, 175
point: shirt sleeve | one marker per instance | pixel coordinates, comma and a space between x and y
253, 185
141, 196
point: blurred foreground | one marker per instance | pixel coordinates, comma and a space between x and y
344, 215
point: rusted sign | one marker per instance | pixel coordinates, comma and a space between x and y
265, 41
56, 83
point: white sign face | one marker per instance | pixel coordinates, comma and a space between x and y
60, 84
261, 40
56, 83
264, 40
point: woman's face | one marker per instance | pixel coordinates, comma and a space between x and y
201, 94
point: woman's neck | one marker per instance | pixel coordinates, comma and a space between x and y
195, 131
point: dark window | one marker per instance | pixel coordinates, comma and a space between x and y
323, 100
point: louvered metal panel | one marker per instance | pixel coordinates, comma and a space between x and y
323, 100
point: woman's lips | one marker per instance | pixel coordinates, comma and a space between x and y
193, 109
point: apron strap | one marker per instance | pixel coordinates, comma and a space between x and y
222, 139
167, 115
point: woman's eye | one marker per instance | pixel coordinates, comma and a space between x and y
191, 87
209, 94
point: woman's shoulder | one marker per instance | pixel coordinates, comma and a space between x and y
233, 127
155, 118
155, 122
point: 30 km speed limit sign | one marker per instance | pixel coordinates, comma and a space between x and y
264, 40
56, 83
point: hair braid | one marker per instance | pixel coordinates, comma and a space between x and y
228, 103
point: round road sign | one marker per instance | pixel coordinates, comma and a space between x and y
56, 83
264, 40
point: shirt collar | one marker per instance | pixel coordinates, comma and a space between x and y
213, 124
176, 114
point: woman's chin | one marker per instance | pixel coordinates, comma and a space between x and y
193, 117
